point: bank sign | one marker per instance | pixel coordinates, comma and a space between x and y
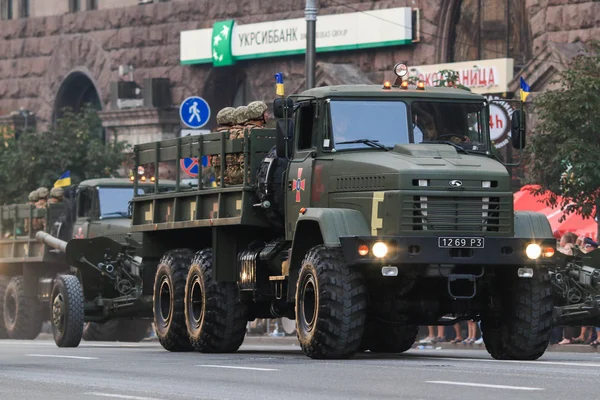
228, 42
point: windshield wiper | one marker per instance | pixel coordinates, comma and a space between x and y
368, 142
456, 146
115, 214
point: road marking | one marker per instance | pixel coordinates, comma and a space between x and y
56, 356
232, 367
120, 396
563, 363
485, 385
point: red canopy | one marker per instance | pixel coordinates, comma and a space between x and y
526, 201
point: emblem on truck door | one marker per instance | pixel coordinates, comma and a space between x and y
455, 183
299, 185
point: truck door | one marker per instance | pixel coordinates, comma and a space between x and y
301, 168
85, 209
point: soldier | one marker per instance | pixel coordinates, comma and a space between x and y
240, 117
56, 195
257, 115
225, 119
33, 198
40, 223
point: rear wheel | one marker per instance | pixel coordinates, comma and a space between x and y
67, 311
522, 329
216, 318
331, 305
22, 314
3, 284
168, 302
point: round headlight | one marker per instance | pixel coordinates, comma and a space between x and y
380, 249
533, 251
400, 70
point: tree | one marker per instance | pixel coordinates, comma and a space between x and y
562, 156
38, 159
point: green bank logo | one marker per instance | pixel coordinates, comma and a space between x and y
221, 43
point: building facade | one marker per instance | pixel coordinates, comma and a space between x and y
136, 60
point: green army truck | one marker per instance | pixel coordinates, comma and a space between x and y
368, 211
29, 269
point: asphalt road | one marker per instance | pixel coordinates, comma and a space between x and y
39, 370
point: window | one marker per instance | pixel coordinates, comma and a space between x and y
460, 123
84, 203
114, 201
304, 122
92, 5
382, 121
490, 29
74, 5
24, 9
6, 9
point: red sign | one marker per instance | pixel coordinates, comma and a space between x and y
299, 185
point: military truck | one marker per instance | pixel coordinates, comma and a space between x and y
369, 210
29, 269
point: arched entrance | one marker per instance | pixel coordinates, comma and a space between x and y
76, 90
225, 87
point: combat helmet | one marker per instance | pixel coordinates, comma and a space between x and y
57, 192
42, 193
240, 115
33, 196
256, 109
225, 116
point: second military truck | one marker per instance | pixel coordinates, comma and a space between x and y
368, 211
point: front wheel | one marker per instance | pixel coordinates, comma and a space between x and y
67, 311
22, 314
216, 318
522, 329
331, 305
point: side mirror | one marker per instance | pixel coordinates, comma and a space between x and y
282, 133
279, 104
518, 129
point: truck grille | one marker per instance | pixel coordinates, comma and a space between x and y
458, 214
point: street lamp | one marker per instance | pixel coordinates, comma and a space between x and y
310, 13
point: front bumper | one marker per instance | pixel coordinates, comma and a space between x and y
425, 250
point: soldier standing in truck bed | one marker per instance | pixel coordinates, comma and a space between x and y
40, 223
56, 195
225, 119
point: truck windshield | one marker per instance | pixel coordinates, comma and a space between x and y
114, 202
384, 122
460, 123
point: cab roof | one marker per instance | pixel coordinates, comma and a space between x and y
377, 91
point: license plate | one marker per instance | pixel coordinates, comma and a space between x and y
461, 243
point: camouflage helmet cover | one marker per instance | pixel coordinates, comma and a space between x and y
57, 192
240, 115
256, 109
225, 116
33, 196
42, 193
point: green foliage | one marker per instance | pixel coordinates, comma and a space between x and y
562, 155
38, 159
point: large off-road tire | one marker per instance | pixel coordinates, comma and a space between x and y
215, 317
168, 301
100, 331
384, 331
522, 330
331, 305
3, 284
22, 315
66, 311
133, 330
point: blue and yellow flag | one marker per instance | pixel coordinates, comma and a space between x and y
279, 84
524, 90
64, 180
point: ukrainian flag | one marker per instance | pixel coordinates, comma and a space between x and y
64, 180
524, 90
279, 84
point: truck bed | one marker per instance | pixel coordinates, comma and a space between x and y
202, 206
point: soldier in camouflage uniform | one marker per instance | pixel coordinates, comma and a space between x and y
225, 119
234, 172
40, 223
257, 118
56, 195
33, 198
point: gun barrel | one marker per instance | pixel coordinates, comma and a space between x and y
51, 241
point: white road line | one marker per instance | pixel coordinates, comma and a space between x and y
523, 363
485, 385
120, 396
233, 367
57, 356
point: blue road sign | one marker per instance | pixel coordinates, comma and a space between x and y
194, 112
190, 166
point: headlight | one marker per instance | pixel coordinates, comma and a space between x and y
380, 249
533, 251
